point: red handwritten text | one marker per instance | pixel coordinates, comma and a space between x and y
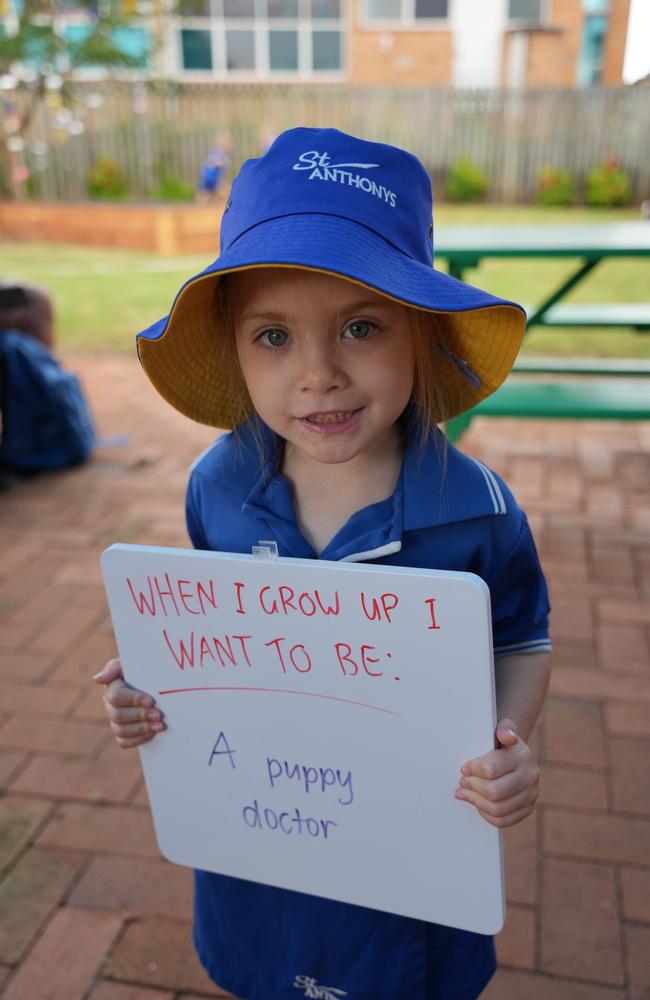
298, 656
379, 607
350, 666
164, 595
306, 603
194, 651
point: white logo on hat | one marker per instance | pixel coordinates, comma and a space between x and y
312, 989
322, 169
307, 161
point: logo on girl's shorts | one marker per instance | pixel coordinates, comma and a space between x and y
322, 169
312, 989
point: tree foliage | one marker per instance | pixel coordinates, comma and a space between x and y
36, 40
37, 54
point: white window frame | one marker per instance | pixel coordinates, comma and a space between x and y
522, 22
261, 26
407, 21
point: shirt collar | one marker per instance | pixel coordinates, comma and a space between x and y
437, 485
442, 485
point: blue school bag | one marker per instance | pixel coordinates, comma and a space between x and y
46, 422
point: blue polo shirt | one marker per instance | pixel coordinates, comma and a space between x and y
448, 511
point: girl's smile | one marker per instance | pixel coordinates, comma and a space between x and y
331, 423
328, 363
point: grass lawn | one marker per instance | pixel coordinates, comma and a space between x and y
104, 296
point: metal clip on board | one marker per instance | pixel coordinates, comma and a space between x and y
267, 550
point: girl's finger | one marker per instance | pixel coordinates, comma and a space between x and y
506, 733
494, 764
126, 743
134, 730
109, 672
505, 787
502, 822
130, 716
499, 810
120, 695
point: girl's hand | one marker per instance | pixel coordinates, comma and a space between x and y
504, 783
133, 715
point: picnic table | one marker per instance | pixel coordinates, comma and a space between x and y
464, 247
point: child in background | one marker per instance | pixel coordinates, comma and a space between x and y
325, 338
212, 169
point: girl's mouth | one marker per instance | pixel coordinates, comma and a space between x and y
330, 422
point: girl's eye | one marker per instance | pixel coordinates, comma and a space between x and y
360, 329
274, 338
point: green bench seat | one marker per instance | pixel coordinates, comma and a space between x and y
613, 399
634, 314
536, 365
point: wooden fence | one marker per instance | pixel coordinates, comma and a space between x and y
151, 127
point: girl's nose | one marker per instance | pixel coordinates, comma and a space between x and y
319, 368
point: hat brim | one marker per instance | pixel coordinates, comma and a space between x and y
187, 360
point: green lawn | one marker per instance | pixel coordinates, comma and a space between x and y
103, 297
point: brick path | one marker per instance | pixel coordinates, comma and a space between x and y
88, 909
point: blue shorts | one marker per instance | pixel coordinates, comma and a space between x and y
263, 943
210, 177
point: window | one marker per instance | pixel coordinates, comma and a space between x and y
240, 50
379, 10
326, 48
258, 39
590, 59
525, 10
282, 8
430, 8
197, 49
325, 8
406, 12
239, 8
283, 50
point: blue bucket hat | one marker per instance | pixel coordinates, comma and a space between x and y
326, 201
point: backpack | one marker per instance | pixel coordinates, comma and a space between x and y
46, 422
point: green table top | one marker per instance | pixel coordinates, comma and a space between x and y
617, 399
616, 239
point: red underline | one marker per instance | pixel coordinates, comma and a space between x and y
304, 694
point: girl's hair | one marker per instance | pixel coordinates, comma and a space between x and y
224, 319
427, 403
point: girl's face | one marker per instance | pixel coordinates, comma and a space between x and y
328, 364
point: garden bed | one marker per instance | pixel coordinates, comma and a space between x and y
165, 229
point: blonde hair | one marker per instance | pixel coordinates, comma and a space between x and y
429, 402
223, 317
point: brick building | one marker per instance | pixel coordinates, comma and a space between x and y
463, 43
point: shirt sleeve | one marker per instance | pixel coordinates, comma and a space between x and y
519, 596
193, 515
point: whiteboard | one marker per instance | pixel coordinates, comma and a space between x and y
318, 714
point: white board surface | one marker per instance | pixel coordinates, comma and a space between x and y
318, 714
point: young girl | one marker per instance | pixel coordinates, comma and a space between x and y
323, 335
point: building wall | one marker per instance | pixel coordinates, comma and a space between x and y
615, 42
552, 55
477, 42
475, 46
398, 56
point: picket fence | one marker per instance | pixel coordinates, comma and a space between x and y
154, 127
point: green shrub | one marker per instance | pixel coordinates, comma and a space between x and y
173, 188
555, 187
465, 182
608, 185
106, 180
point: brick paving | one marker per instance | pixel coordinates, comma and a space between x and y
89, 911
